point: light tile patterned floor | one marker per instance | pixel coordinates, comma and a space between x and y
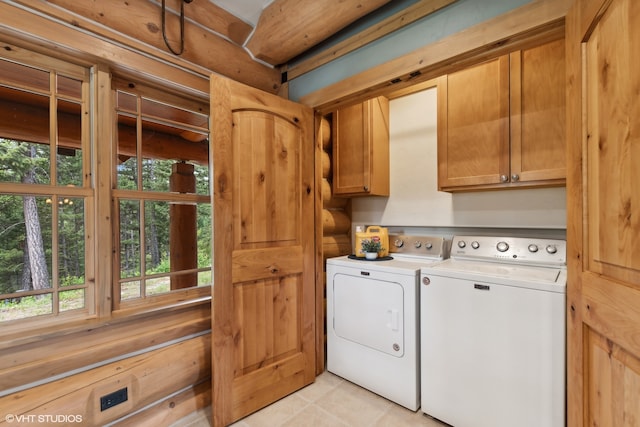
329, 402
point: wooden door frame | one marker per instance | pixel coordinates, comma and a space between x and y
575, 393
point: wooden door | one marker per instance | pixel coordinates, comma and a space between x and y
603, 187
538, 131
264, 266
473, 126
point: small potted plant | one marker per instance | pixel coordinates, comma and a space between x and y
371, 247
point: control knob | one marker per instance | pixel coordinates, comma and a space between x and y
428, 245
417, 244
461, 244
533, 248
399, 243
475, 244
502, 246
551, 249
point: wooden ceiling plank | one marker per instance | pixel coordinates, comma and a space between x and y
138, 26
287, 28
539, 19
375, 32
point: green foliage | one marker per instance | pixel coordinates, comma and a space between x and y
372, 245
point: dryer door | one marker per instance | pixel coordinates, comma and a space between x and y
369, 312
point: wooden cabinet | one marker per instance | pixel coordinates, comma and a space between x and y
361, 149
502, 123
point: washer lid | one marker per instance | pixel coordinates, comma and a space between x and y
544, 278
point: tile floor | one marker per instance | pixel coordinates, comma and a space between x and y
330, 401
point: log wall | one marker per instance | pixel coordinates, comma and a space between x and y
336, 211
165, 367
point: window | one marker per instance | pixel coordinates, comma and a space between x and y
159, 228
162, 198
45, 190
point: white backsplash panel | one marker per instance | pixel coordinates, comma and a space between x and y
415, 199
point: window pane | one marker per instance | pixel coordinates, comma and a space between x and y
204, 278
156, 237
127, 161
204, 235
157, 285
24, 162
126, 102
69, 87
130, 290
156, 174
202, 179
25, 246
72, 300
169, 113
24, 140
69, 152
24, 76
24, 307
129, 238
71, 238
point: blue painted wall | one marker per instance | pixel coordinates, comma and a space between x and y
452, 19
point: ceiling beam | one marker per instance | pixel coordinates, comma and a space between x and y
386, 26
137, 25
287, 28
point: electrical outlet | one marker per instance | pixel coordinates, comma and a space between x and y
112, 399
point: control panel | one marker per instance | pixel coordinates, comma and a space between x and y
417, 245
510, 249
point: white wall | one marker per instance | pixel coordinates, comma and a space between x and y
415, 200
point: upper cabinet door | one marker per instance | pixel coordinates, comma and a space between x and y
264, 249
603, 206
538, 130
473, 125
361, 149
501, 124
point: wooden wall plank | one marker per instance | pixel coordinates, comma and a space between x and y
24, 363
193, 400
148, 377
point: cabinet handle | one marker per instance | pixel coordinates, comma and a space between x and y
504, 178
515, 177
366, 188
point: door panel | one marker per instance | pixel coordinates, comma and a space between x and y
263, 168
264, 270
603, 119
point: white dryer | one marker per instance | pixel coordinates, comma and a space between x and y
373, 318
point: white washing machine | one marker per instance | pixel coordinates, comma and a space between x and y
373, 318
493, 333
